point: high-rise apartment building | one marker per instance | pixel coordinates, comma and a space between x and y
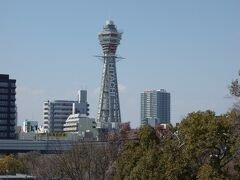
7, 107
155, 105
56, 113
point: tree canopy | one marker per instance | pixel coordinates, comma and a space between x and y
10, 165
202, 146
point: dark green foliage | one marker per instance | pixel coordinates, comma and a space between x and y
140, 160
147, 136
203, 146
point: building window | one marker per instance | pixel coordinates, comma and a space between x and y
12, 128
2, 115
3, 128
2, 134
12, 97
3, 97
12, 116
3, 90
3, 109
3, 121
12, 134
3, 84
4, 103
12, 122
12, 110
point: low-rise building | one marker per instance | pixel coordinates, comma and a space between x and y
29, 126
77, 123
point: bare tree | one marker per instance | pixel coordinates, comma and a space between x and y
84, 161
235, 87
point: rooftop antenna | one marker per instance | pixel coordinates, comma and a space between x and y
109, 13
79, 96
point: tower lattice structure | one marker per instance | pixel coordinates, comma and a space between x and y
109, 115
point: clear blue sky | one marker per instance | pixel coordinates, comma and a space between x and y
190, 48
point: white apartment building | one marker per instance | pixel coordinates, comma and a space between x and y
56, 113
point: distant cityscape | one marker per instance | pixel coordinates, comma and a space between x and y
83, 99
72, 117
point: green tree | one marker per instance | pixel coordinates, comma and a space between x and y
148, 166
207, 172
147, 136
128, 159
174, 165
208, 139
202, 140
140, 160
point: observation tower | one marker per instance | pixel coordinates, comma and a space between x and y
109, 116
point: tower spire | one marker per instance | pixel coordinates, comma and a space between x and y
109, 115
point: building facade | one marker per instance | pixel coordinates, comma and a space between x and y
8, 114
155, 106
56, 113
81, 106
77, 123
29, 126
109, 116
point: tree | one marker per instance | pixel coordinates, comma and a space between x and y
207, 172
235, 88
10, 165
147, 136
28, 161
202, 140
139, 160
3, 169
84, 161
208, 139
127, 160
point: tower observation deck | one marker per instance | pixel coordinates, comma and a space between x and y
109, 115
